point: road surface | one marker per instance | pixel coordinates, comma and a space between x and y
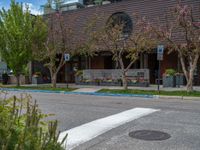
179, 118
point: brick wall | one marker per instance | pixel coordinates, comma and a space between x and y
152, 9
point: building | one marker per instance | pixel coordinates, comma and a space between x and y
84, 10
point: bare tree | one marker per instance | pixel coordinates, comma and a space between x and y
59, 41
182, 25
113, 37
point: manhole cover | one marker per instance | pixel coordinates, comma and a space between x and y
149, 135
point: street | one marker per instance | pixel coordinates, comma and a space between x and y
178, 118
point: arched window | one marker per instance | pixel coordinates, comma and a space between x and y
121, 18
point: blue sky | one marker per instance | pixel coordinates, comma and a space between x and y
34, 5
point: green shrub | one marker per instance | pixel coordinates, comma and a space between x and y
22, 126
170, 72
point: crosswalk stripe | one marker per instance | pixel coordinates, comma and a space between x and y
88, 131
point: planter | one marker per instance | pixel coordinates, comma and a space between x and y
37, 80
180, 80
102, 83
169, 81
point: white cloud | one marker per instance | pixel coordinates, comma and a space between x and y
33, 9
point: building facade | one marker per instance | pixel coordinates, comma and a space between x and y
85, 10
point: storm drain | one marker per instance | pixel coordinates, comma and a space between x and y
149, 135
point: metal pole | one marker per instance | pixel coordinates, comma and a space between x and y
67, 84
66, 71
178, 72
159, 76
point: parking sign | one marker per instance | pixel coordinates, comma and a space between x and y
66, 57
160, 51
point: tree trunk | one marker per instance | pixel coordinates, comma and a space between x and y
124, 81
189, 74
189, 85
18, 79
54, 80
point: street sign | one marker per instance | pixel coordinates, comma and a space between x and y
66, 57
160, 51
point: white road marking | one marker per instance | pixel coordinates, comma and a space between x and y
88, 131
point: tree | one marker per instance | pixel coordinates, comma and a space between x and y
17, 33
115, 38
182, 25
58, 42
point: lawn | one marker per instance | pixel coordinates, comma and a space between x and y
40, 88
166, 93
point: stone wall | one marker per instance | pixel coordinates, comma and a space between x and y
92, 74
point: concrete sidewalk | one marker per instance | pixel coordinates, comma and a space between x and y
91, 88
86, 90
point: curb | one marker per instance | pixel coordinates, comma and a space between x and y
33, 91
177, 97
191, 98
80, 93
104, 94
170, 97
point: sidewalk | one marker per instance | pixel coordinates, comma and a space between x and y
86, 90
92, 90
96, 88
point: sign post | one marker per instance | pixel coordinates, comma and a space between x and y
67, 58
160, 51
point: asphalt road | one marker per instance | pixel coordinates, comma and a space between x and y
179, 118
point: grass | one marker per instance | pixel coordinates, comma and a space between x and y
40, 88
151, 92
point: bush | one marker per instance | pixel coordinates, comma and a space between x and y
22, 126
170, 72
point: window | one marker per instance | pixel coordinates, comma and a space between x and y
120, 18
